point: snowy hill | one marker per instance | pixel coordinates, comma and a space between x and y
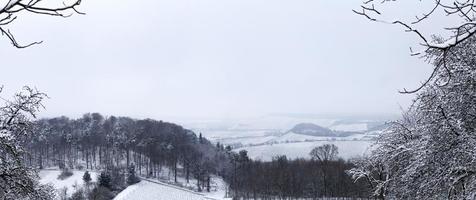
312, 130
316, 130
154, 190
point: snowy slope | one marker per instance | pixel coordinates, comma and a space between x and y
151, 190
50, 176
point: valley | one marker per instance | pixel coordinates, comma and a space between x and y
269, 136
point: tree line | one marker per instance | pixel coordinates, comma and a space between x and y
281, 178
115, 143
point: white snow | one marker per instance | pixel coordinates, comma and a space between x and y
144, 190
294, 137
347, 149
50, 176
350, 127
246, 140
152, 190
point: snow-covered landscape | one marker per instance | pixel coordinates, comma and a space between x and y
271, 136
237, 100
262, 141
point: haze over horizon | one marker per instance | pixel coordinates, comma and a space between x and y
213, 59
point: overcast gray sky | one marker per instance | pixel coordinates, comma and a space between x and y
213, 59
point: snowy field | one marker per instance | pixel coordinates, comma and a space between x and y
221, 128
50, 176
350, 127
246, 140
347, 149
294, 137
216, 135
151, 190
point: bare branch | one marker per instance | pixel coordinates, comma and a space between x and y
13, 40
466, 10
8, 12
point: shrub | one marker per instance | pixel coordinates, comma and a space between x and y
87, 177
65, 173
79, 167
118, 178
101, 193
78, 195
63, 193
131, 176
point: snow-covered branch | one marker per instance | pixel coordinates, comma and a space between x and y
17, 181
440, 47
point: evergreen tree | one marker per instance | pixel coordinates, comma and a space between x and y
104, 180
87, 177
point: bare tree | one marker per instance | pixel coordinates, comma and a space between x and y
325, 153
10, 9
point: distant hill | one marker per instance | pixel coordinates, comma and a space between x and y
319, 131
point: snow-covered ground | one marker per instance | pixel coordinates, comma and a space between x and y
246, 140
153, 190
224, 127
216, 135
145, 190
50, 176
294, 137
259, 130
347, 149
361, 127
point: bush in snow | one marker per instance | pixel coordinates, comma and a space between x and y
118, 178
131, 176
65, 173
87, 178
78, 195
63, 193
101, 193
